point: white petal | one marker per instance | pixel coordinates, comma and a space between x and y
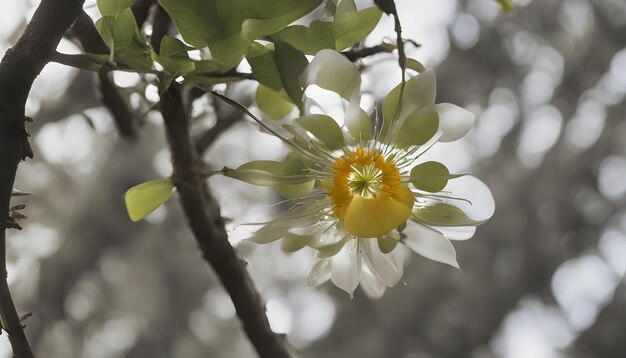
319, 273
481, 205
370, 284
457, 233
388, 267
332, 71
328, 236
454, 121
430, 244
346, 267
332, 249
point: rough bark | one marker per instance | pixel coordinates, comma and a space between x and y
19, 68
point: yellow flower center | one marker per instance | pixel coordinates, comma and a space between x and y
367, 195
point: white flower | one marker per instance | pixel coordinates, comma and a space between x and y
360, 190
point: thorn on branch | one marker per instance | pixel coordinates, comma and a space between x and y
27, 150
9, 223
24, 317
14, 215
16, 192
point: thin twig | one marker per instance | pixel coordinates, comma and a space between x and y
357, 54
389, 8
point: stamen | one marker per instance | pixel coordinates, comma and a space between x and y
365, 181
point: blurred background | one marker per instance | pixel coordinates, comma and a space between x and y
542, 279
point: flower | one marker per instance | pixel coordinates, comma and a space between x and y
361, 192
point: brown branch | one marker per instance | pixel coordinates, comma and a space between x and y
357, 54
19, 68
118, 105
207, 225
141, 10
160, 27
205, 220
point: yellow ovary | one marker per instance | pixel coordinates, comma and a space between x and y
367, 195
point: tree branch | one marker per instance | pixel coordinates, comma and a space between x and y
160, 27
19, 68
357, 54
205, 220
207, 225
141, 10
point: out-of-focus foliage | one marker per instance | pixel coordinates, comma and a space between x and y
543, 278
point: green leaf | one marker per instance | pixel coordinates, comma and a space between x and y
265, 173
271, 16
260, 173
126, 33
441, 214
173, 56
292, 191
228, 27
333, 71
207, 67
387, 243
310, 40
144, 198
127, 44
418, 93
293, 165
263, 64
348, 27
506, 5
106, 26
353, 27
358, 122
133, 58
288, 177
417, 129
323, 128
345, 7
86, 61
430, 176
415, 65
197, 20
290, 63
113, 7
275, 104
229, 51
